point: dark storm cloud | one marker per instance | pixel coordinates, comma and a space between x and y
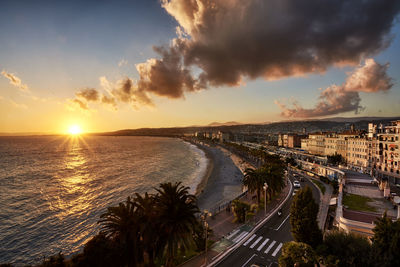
232, 40
126, 91
370, 78
166, 76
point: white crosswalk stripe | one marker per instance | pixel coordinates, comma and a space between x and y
277, 250
263, 244
255, 242
252, 243
240, 237
270, 246
233, 233
249, 240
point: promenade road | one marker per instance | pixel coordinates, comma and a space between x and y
264, 247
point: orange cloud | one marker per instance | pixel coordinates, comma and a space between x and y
14, 80
370, 78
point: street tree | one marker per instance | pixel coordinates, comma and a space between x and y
345, 249
240, 209
386, 242
297, 253
303, 218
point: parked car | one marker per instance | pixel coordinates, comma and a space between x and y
296, 184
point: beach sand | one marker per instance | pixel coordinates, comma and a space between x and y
223, 181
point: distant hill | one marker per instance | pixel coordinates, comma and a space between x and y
229, 123
355, 119
336, 124
324, 125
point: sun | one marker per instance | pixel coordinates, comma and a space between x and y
74, 130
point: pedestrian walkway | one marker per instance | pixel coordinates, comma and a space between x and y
257, 243
324, 205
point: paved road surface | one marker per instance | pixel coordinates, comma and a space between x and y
265, 246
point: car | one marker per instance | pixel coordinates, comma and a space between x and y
296, 184
295, 192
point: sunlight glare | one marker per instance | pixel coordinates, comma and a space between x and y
75, 130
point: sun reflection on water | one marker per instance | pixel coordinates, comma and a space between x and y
74, 196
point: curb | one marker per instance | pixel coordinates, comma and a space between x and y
226, 253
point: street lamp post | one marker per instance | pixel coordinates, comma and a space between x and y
265, 197
204, 218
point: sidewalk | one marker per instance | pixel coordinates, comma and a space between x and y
324, 205
222, 225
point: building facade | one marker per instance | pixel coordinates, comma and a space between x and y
388, 153
357, 153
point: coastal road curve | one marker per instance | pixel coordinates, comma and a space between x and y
264, 247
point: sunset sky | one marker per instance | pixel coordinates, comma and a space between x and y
109, 65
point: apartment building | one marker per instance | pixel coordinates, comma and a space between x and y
347, 144
316, 143
331, 145
304, 144
357, 153
377, 151
290, 140
387, 153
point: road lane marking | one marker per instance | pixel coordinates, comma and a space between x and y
263, 244
248, 241
233, 233
277, 250
249, 260
282, 223
255, 242
270, 246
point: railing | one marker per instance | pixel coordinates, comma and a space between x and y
217, 209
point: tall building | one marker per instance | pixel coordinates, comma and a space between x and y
316, 143
388, 153
357, 153
331, 145
290, 140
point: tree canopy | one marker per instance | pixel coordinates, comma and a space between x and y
345, 249
386, 242
297, 253
303, 218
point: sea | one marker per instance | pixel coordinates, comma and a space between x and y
53, 189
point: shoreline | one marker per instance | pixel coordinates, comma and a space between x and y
209, 168
222, 181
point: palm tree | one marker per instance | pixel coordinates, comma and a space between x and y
148, 222
121, 225
253, 180
274, 176
176, 212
